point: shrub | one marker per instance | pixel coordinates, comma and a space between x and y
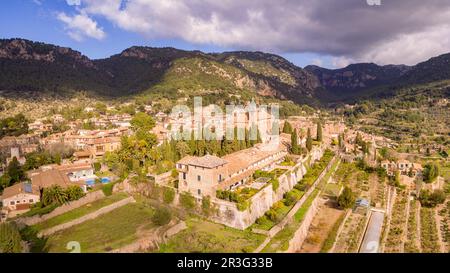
97, 166
278, 205
187, 201
108, 189
206, 205
346, 199
161, 217
430, 172
275, 184
261, 220
272, 215
301, 187
290, 198
243, 205
168, 195
431, 200
174, 173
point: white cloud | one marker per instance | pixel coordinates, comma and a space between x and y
317, 62
395, 32
80, 26
37, 2
73, 2
411, 48
340, 62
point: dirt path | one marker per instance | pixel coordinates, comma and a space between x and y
321, 226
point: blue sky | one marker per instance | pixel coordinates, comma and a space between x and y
329, 33
37, 20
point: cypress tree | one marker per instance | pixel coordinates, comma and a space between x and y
319, 132
294, 143
287, 128
309, 140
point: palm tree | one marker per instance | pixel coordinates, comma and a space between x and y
54, 195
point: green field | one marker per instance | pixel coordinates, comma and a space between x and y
109, 231
205, 236
81, 211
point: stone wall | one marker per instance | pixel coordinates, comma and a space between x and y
88, 198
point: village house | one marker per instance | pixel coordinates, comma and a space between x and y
94, 142
203, 176
40, 127
19, 197
405, 167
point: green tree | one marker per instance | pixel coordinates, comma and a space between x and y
287, 128
295, 149
431, 199
346, 199
161, 217
74, 193
54, 195
430, 172
309, 140
10, 239
142, 122
319, 132
5, 181
183, 149
15, 171
13, 126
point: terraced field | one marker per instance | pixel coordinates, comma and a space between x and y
397, 229
429, 236
412, 244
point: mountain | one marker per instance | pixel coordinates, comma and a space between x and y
27, 66
356, 78
31, 66
369, 80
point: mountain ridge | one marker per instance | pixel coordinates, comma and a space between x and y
34, 66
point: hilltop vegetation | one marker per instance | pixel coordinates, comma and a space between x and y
421, 111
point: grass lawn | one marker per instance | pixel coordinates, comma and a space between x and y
204, 236
81, 211
109, 231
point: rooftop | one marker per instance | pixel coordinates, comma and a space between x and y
18, 188
207, 161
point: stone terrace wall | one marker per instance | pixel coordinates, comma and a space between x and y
88, 198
